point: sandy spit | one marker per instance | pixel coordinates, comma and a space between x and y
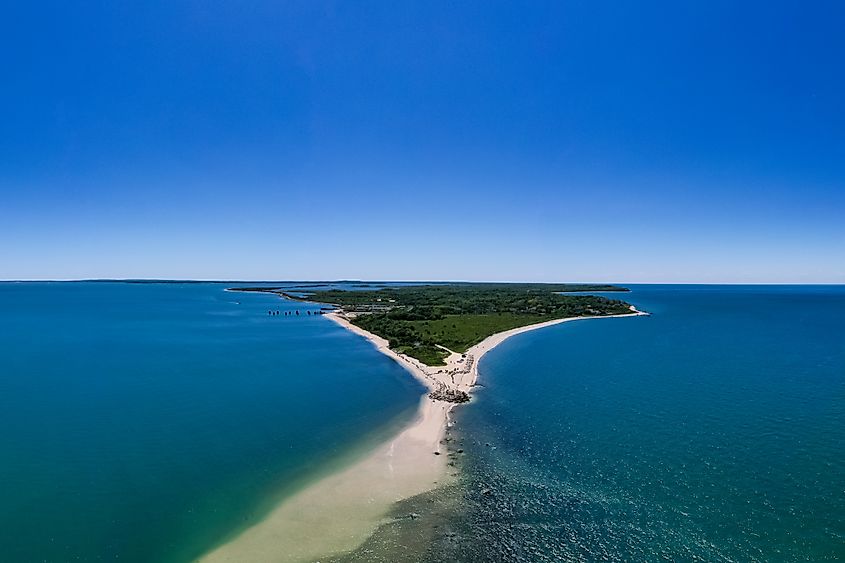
339, 512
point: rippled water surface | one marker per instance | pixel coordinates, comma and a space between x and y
713, 430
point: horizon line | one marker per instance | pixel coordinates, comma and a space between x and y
350, 280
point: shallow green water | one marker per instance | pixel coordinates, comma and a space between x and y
145, 422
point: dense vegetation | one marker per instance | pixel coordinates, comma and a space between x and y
421, 321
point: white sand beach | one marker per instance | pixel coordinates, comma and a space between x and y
338, 513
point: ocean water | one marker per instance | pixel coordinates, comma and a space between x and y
148, 422
713, 430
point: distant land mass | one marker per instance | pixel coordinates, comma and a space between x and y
428, 322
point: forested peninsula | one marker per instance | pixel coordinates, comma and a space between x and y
428, 322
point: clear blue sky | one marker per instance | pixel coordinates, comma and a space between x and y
549, 141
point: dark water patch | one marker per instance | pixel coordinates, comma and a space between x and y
421, 528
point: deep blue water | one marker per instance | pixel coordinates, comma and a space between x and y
144, 422
713, 430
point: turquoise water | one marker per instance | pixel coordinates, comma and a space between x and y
145, 422
713, 430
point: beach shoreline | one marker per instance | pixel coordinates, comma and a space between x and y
461, 370
337, 513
